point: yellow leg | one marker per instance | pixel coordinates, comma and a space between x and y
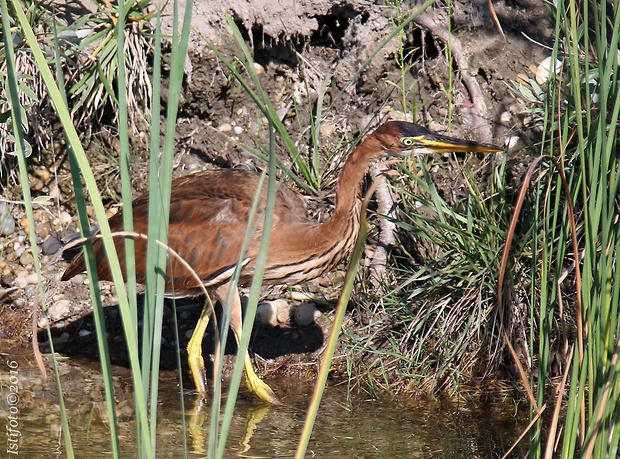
194, 352
254, 383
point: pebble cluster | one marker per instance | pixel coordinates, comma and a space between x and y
17, 262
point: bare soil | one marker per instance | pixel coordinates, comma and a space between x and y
297, 44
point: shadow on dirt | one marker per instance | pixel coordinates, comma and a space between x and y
79, 339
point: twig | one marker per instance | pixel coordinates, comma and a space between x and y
387, 238
479, 109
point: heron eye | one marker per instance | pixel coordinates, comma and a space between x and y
407, 141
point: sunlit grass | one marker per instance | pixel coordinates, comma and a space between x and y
467, 243
574, 294
145, 378
435, 325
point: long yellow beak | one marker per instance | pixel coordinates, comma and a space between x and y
437, 143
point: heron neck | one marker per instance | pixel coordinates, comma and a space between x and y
349, 187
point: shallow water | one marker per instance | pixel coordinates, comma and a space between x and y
389, 428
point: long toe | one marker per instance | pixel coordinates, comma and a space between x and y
261, 389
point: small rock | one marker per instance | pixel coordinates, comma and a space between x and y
267, 314
19, 303
26, 259
185, 315
82, 333
511, 142
505, 117
18, 251
282, 112
41, 230
7, 222
51, 245
55, 192
43, 173
60, 309
65, 218
78, 279
545, 68
306, 314
32, 279
24, 224
21, 281
327, 129
258, 69
225, 127
36, 184
237, 130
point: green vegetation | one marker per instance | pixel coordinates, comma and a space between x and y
145, 375
435, 326
84, 53
441, 320
575, 308
404, 60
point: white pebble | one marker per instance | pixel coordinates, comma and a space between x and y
60, 309
545, 68
306, 314
21, 281
258, 69
511, 142
33, 278
237, 130
84, 333
267, 314
225, 127
55, 192
65, 218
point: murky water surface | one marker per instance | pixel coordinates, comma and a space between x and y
403, 428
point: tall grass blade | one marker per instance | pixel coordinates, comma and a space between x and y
254, 295
332, 342
20, 152
95, 292
580, 136
160, 179
82, 161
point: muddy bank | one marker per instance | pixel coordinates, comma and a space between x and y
297, 47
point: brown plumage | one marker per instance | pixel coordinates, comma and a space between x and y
209, 212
